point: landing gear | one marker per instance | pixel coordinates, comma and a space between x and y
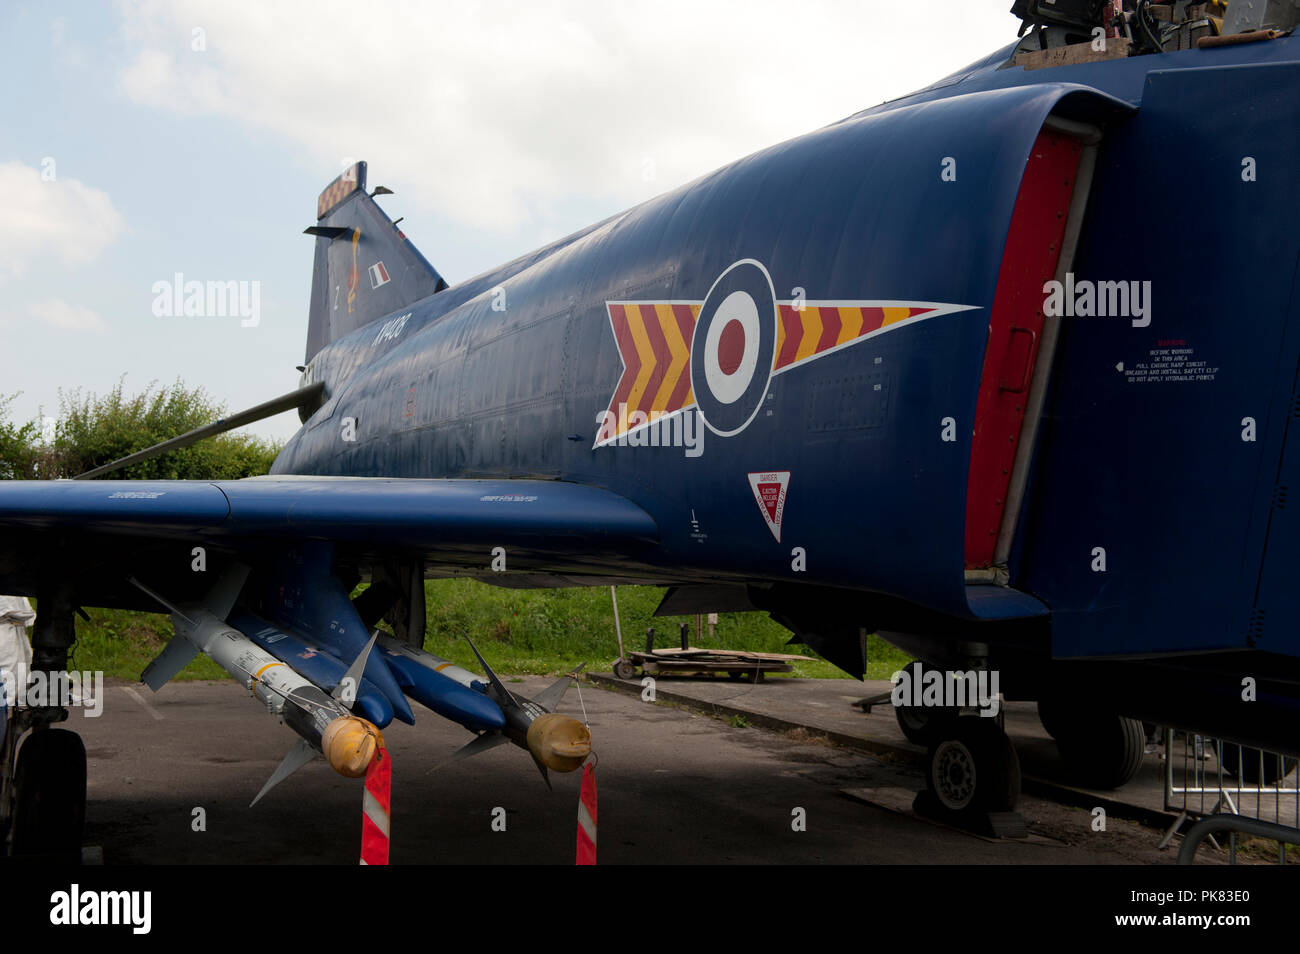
1101, 749
923, 724
973, 771
43, 775
49, 795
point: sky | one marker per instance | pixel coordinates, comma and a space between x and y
149, 139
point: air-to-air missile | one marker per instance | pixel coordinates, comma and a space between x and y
555, 741
322, 668
314, 692
324, 723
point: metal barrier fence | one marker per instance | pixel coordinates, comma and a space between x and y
1206, 777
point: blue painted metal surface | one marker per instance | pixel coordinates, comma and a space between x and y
1156, 471
850, 212
496, 386
461, 704
305, 596
150, 507
309, 659
420, 514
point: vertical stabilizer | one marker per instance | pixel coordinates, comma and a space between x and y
364, 266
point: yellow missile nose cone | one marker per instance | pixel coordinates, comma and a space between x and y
350, 744
559, 742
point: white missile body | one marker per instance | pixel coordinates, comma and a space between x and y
272, 681
323, 721
428, 660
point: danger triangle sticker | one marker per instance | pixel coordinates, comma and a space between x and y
769, 490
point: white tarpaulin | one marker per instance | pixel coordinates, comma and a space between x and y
16, 614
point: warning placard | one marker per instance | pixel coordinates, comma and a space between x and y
769, 490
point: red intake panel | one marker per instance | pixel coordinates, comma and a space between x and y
1029, 261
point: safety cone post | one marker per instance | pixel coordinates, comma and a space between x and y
374, 809
587, 817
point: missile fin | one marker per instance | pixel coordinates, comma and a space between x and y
492, 677
297, 757
545, 776
475, 746
353, 676
551, 696
221, 598
176, 655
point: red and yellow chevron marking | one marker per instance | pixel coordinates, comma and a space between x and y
817, 328
338, 190
654, 341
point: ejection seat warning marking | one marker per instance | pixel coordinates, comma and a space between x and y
769, 490
1169, 365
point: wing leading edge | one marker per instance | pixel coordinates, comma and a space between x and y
403, 513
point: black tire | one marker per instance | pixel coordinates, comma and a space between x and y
624, 670
1054, 715
1102, 751
50, 794
1276, 767
974, 768
924, 724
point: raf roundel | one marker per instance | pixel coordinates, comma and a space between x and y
733, 347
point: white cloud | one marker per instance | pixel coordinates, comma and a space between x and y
59, 314
60, 218
493, 113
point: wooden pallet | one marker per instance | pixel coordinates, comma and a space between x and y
735, 663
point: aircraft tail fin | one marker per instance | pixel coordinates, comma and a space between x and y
364, 267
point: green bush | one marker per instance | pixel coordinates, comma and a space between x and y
19, 445
92, 430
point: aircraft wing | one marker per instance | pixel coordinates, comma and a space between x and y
291, 549
120, 528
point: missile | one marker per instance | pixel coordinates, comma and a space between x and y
307, 598
447, 689
403, 656
321, 667
324, 723
556, 742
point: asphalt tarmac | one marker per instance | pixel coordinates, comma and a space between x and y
675, 787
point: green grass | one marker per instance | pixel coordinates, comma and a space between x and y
121, 643
518, 631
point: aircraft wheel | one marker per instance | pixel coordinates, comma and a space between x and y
624, 670
924, 724
50, 794
1053, 714
1102, 750
1275, 766
974, 768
